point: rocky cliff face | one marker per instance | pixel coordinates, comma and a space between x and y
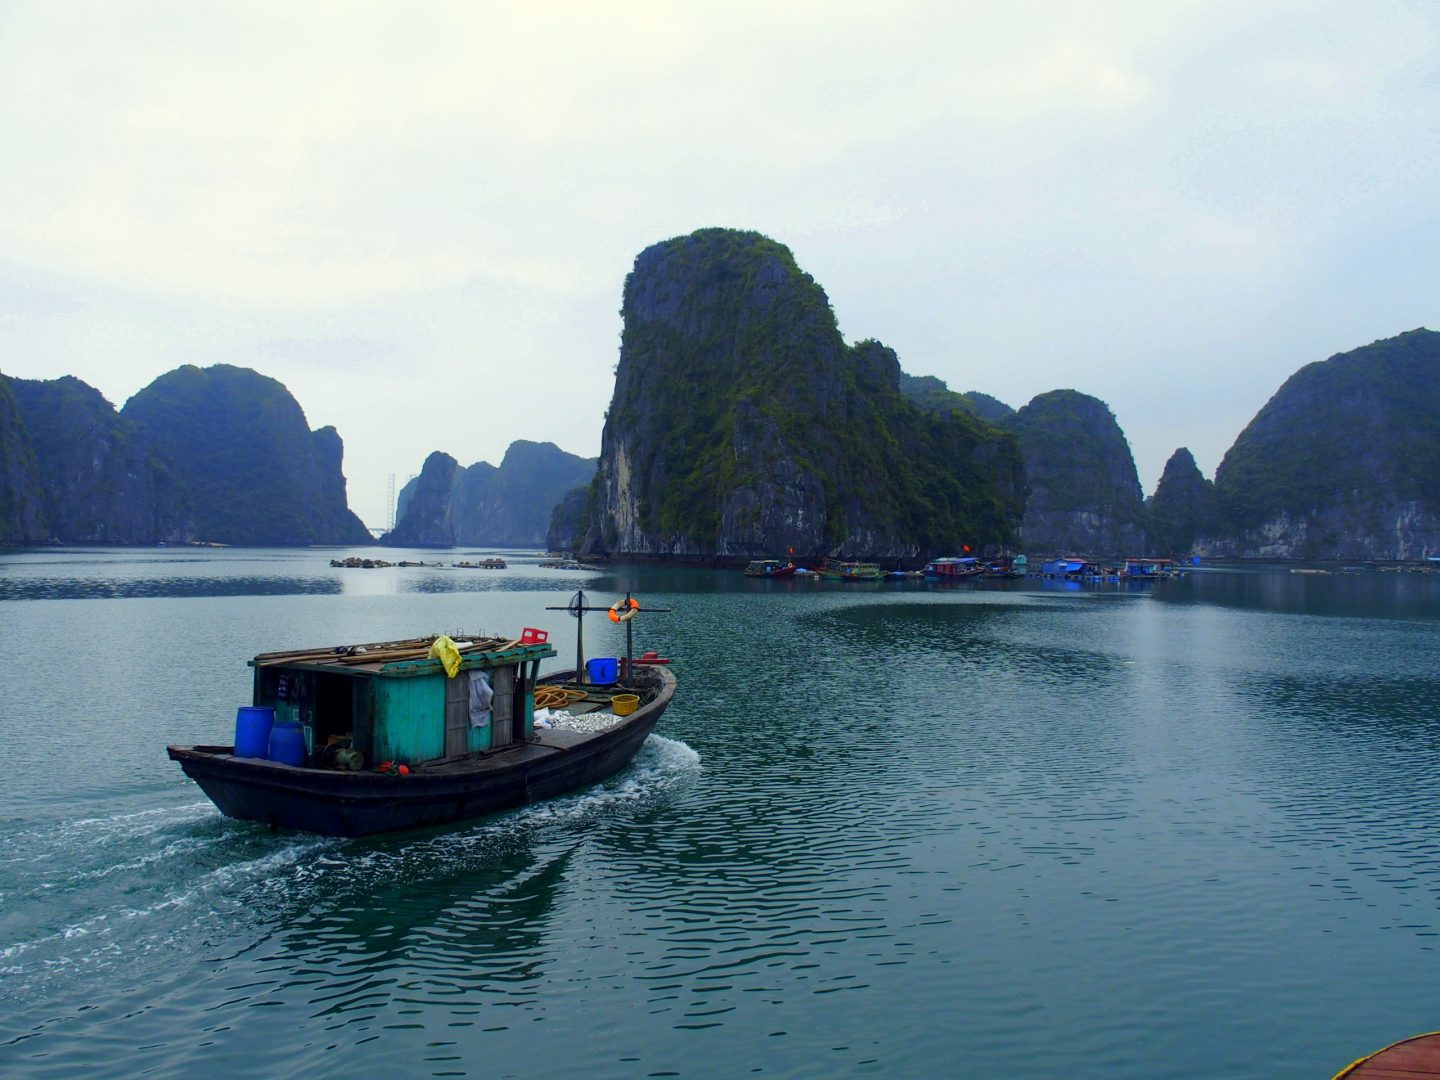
742, 425
568, 521
1084, 493
486, 506
1343, 462
22, 497
427, 520
1183, 507
933, 395
512, 505
247, 467
102, 481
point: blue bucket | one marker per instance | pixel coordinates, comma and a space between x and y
287, 743
603, 670
252, 730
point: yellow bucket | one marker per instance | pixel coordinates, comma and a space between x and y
624, 704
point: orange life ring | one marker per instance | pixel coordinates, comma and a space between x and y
619, 612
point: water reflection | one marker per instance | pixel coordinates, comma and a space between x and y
439, 583
1369, 594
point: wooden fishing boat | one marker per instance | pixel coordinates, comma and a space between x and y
836, 570
392, 736
772, 568
1006, 568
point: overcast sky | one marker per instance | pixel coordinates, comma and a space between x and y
419, 217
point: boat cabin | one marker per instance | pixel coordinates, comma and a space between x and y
768, 568
394, 701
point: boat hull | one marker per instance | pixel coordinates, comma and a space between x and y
336, 803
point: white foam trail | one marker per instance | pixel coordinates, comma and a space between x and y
299, 864
222, 881
59, 837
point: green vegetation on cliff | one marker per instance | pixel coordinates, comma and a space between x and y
1084, 494
932, 395
22, 511
247, 465
1360, 430
735, 393
1183, 509
1068, 435
102, 482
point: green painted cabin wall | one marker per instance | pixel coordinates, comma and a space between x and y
409, 719
410, 724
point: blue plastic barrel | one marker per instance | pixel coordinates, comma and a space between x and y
252, 730
603, 670
287, 743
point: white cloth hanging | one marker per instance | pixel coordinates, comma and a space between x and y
480, 698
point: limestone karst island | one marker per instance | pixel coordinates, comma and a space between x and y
742, 425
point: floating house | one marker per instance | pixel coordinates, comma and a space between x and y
953, 567
1149, 569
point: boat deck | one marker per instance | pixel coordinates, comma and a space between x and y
1410, 1059
545, 740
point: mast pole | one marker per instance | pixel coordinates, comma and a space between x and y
629, 647
580, 636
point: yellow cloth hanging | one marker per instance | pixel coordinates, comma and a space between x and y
444, 650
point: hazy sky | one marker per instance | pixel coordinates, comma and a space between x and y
419, 217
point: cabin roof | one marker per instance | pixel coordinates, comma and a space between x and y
410, 656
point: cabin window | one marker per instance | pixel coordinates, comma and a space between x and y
502, 705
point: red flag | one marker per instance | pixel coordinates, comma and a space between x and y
790, 550
965, 548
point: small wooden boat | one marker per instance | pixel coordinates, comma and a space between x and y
772, 568
1006, 568
836, 570
395, 739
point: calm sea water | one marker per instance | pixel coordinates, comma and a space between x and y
1190, 830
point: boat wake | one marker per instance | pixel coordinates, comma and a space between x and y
660, 771
661, 768
131, 892
97, 893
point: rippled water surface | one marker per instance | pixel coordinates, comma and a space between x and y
1190, 830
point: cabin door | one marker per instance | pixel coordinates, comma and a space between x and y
457, 715
502, 705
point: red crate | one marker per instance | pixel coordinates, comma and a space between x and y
531, 636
